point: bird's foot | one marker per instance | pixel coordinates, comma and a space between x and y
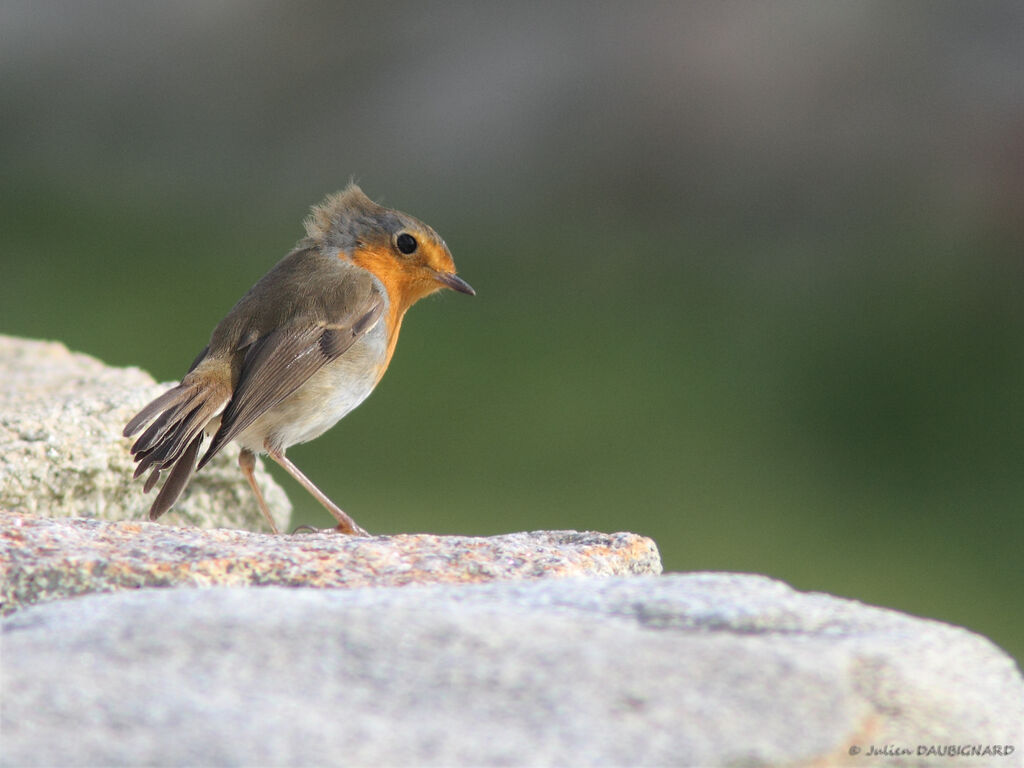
339, 528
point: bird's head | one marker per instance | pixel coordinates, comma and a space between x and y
407, 256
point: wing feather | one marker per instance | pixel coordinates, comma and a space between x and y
277, 364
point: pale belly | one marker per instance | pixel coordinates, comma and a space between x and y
324, 399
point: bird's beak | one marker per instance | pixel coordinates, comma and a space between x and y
456, 283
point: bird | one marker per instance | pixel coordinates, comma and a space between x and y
302, 348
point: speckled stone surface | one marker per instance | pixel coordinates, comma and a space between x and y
62, 453
45, 559
700, 669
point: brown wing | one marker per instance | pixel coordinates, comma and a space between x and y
280, 362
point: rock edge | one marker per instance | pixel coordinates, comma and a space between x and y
46, 559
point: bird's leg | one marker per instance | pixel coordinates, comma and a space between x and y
345, 523
247, 461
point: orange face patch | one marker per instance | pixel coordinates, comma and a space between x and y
405, 282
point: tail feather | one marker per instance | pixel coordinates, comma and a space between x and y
151, 437
172, 441
185, 403
177, 479
143, 464
150, 481
164, 441
166, 400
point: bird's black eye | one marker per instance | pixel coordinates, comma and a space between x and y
406, 243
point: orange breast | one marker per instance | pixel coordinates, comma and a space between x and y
404, 287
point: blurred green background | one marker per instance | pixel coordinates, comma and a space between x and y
749, 275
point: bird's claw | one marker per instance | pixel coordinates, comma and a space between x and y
339, 528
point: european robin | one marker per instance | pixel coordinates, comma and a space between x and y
306, 345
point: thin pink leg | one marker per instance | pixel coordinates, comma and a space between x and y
247, 461
345, 523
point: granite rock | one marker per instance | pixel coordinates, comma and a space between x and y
694, 670
45, 559
62, 453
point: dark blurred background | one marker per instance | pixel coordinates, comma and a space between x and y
749, 275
